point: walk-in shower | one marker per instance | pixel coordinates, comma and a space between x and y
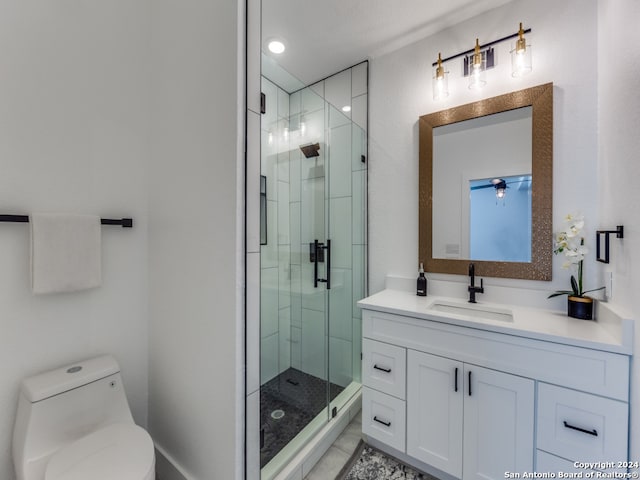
313, 257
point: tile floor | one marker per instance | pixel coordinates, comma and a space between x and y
339, 453
300, 397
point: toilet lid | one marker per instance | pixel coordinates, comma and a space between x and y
117, 452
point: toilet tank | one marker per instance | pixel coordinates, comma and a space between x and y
57, 407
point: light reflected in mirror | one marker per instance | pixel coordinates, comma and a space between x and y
466, 153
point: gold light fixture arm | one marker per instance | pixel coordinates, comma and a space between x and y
439, 68
521, 43
477, 55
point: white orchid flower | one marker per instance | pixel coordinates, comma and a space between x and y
571, 243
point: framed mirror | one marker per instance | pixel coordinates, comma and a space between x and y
486, 181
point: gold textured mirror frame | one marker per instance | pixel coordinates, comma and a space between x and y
540, 98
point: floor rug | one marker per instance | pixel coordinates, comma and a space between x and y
368, 463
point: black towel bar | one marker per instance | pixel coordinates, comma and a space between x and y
124, 222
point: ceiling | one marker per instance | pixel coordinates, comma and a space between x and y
326, 36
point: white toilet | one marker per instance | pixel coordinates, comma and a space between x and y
74, 423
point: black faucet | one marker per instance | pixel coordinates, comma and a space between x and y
472, 288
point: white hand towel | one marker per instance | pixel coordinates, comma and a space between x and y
65, 252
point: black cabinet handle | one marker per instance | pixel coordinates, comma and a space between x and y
386, 424
455, 389
469, 383
593, 432
386, 370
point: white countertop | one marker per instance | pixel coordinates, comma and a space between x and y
612, 332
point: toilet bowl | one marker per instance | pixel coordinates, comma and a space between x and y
120, 451
74, 423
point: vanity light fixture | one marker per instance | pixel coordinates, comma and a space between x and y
521, 56
477, 78
481, 58
440, 81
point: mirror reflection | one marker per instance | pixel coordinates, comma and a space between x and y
500, 222
482, 176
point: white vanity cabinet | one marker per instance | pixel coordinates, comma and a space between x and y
454, 407
435, 384
498, 424
477, 403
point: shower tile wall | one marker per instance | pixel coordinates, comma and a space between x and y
294, 333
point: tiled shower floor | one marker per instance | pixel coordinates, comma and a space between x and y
301, 397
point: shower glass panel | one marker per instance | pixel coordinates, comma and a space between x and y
312, 265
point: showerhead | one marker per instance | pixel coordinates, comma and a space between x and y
310, 150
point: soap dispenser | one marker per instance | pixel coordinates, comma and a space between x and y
421, 291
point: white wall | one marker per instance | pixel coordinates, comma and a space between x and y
400, 85
73, 138
619, 169
195, 227
130, 108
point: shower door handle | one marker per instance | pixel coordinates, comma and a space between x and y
328, 265
317, 247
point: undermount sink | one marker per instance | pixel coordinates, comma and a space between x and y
473, 310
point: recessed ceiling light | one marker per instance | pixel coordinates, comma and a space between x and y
346, 108
276, 46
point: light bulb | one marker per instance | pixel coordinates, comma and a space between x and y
440, 81
477, 76
521, 56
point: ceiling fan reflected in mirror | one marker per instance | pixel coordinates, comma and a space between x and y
501, 185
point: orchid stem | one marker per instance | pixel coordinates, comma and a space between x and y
580, 271
580, 278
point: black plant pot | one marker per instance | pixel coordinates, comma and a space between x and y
580, 307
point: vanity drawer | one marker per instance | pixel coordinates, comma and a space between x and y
384, 418
384, 367
581, 427
547, 463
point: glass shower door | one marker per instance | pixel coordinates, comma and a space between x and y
346, 230
312, 268
294, 303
